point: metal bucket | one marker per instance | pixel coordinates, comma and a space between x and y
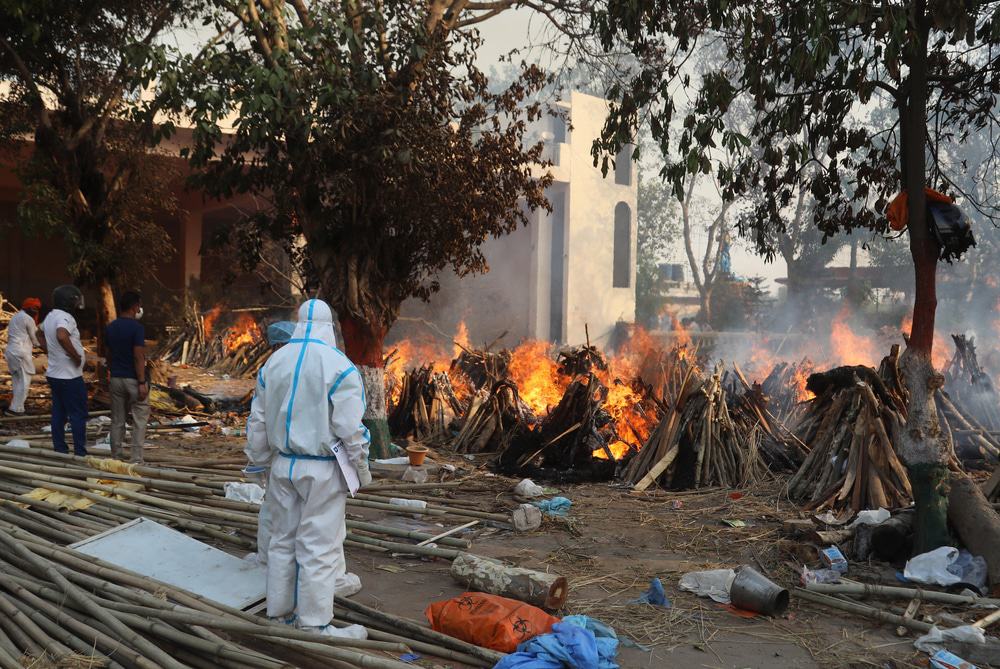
754, 592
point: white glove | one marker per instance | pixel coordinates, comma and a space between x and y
364, 474
256, 474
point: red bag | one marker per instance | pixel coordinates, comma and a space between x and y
489, 621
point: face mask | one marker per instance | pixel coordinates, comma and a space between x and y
138, 314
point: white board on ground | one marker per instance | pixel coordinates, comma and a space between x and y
148, 548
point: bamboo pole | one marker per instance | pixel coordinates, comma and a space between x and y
410, 627
136, 641
894, 592
862, 610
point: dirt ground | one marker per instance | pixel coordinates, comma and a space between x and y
609, 547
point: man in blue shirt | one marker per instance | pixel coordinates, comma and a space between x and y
126, 343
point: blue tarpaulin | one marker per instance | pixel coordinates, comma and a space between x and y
578, 642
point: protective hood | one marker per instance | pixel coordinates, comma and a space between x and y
316, 322
280, 332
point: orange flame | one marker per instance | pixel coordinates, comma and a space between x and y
800, 376
461, 340
244, 332
208, 320
849, 348
536, 375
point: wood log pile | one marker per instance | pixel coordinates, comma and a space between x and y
563, 445
198, 345
493, 418
970, 405
61, 609
849, 427
782, 388
427, 405
709, 438
7, 311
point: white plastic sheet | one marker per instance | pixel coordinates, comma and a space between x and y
244, 492
714, 583
871, 517
932, 567
935, 640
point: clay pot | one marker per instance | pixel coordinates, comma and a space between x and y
416, 455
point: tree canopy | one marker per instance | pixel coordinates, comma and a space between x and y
76, 72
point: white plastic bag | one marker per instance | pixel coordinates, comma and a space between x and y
932, 567
869, 517
714, 583
18, 443
528, 489
935, 640
244, 492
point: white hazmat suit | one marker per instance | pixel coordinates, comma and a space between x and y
21, 339
305, 423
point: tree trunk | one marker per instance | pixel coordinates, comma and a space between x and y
923, 446
363, 345
106, 313
705, 316
977, 524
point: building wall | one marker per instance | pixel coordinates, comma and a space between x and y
591, 299
526, 293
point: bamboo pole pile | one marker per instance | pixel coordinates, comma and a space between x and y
187, 497
191, 498
72, 611
849, 427
427, 405
705, 439
198, 344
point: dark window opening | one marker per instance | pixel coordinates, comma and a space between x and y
621, 274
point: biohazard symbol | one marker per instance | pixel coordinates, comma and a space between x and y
523, 628
465, 603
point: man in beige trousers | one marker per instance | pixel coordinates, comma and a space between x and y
126, 343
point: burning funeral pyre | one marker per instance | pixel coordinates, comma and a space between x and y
661, 414
239, 349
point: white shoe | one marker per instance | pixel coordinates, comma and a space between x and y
284, 620
348, 585
349, 632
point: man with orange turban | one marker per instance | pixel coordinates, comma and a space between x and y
21, 340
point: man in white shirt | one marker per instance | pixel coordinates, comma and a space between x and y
21, 340
65, 370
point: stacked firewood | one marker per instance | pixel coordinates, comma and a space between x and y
781, 386
195, 345
705, 439
483, 368
563, 445
970, 408
664, 372
427, 405
493, 417
849, 427
7, 311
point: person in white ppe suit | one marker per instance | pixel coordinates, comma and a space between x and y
305, 424
347, 584
22, 338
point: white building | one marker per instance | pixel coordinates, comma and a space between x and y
571, 268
